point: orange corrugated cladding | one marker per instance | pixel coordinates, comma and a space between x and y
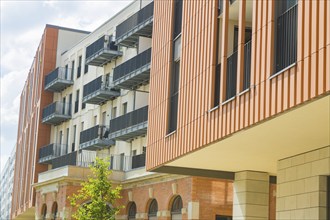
267, 97
32, 134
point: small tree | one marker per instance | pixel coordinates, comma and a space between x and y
99, 194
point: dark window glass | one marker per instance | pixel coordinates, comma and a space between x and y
132, 211
176, 205
153, 208
177, 18
223, 217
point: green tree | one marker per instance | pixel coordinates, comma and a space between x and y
96, 197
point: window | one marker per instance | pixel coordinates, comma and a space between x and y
153, 209
95, 120
67, 140
70, 103
133, 152
54, 210
114, 113
44, 211
176, 208
82, 126
74, 137
79, 66
72, 68
175, 73
286, 33
223, 217
67, 72
124, 108
76, 104
86, 69
131, 211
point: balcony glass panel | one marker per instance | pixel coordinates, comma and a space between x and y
133, 72
56, 113
58, 80
95, 138
51, 151
102, 51
99, 91
130, 125
139, 24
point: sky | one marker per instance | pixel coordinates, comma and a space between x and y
22, 24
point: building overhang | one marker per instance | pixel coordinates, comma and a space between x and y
259, 147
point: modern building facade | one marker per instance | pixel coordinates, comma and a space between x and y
97, 96
32, 134
6, 186
239, 90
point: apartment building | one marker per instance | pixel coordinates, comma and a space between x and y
99, 108
239, 90
32, 134
6, 186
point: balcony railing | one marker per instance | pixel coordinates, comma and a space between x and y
130, 125
95, 138
139, 24
247, 66
99, 91
102, 51
127, 163
58, 80
133, 72
231, 76
67, 159
286, 48
51, 151
56, 113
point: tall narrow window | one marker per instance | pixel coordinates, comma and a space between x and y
44, 211
132, 211
76, 104
286, 33
74, 138
153, 209
124, 108
79, 66
72, 68
176, 208
175, 74
114, 112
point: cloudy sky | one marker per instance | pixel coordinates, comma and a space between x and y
22, 24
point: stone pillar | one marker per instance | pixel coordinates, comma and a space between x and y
302, 186
251, 195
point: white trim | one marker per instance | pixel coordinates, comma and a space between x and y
169, 134
214, 108
281, 71
229, 100
243, 92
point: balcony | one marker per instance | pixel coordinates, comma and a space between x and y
102, 51
139, 24
95, 138
56, 113
51, 151
130, 125
127, 163
133, 72
98, 92
58, 80
67, 159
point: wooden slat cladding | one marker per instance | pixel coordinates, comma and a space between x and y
268, 95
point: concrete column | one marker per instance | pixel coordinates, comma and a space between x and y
251, 195
302, 186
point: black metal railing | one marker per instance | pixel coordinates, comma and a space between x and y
131, 65
130, 119
96, 132
58, 108
95, 85
103, 43
217, 85
58, 73
247, 65
67, 159
286, 48
139, 17
231, 76
138, 161
52, 151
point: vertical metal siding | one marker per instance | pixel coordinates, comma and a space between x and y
267, 96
